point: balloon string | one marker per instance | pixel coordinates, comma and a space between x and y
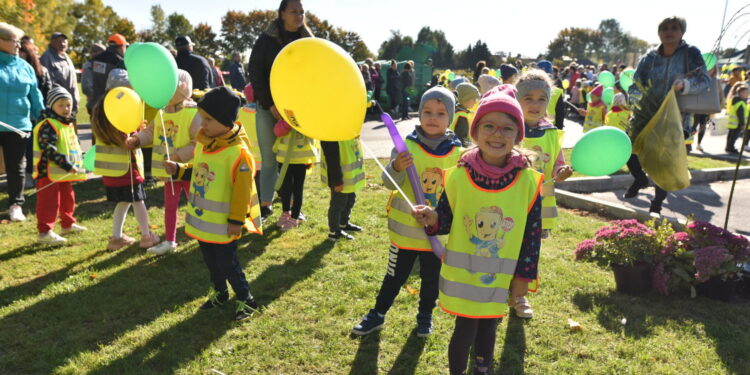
22, 133
48, 185
166, 146
372, 155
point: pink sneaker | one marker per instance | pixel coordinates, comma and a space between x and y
286, 222
149, 240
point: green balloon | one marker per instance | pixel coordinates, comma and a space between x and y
601, 151
607, 79
451, 76
626, 78
710, 60
608, 96
89, 158
152, 71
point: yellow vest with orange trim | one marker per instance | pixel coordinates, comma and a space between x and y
246, 118
177, 127
594, 117
458, 115
67, 144
546, 148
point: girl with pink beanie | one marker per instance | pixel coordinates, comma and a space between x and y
491, 211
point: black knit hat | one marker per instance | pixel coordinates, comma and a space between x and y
222, 104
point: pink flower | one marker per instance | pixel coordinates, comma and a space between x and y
709, 260
585, 249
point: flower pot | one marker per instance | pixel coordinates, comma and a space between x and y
716, 288
635, 279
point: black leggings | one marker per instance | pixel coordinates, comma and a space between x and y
699, 124
478, 332
640, 177
292, 187
400, 264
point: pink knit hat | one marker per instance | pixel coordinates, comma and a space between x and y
500, 99
598, 90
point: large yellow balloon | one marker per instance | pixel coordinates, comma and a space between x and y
124, 109
319, 90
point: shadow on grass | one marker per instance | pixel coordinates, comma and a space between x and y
514, 351
366, 360
725, 324
408, 358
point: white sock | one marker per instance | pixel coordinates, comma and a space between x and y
118, 218
141, 214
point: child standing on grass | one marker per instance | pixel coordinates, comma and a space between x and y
432, 148
181, 123
222, 197
57, 163
491, 210
300, 156
544, 140
342, 169
122, 175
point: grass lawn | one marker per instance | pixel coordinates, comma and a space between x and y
82, 309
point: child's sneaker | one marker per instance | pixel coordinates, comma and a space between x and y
51, 238
372, 322
215, 299
74, 228
352, 227
245, 309
301, 217
522, 308
286, 222
163, 248
119, 243
149, 240
16, 214
335, 236
424, 325
265, 212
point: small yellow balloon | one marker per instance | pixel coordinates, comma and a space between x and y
566, 84
124, 109
318, 89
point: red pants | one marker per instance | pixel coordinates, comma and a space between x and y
58, 197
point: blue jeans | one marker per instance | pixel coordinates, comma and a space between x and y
264, 122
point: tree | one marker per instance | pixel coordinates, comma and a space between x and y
158, 31
469, 57
350, 41
574, 42
95, 23
39, 18
440, 50
205, 40
240, 30
391, 47
178, 25
126, 28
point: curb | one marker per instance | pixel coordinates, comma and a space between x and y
613, 210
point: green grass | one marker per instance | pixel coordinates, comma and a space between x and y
81, 309
694, 163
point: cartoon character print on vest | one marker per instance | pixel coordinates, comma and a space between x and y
432, 179
73, 153
539, 158
489, 222
170, 131
202, 176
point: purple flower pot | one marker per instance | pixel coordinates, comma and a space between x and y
718, 289
633, 280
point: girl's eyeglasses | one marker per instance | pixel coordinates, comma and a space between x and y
490, 129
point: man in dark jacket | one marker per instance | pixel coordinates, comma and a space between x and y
103, 63
197, 66
237, 73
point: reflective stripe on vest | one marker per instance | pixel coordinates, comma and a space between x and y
177, 126
594, 117
352, 166
734, 120
304, 151
67, 144
546, 149
485, 240
114, 161
404, 231
552, 106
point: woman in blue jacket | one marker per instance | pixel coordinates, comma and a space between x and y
20, 100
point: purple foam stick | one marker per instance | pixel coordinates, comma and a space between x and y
411, 172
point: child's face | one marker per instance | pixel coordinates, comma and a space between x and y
434, 118
470, 103
744, 94
534, 105
63, 107
211, 127
496, 135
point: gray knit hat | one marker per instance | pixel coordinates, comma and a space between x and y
442, 95
117, 78
57, 93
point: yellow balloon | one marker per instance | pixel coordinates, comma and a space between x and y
566, 84
124, 109
318, 89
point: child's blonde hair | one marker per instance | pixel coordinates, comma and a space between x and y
103, 129
534, 75
739, 86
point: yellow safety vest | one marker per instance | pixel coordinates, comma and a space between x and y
114, 161
211, 194
734, 121
246, 118
456, 117
403, 229
618, 119
67, 144
594, 117
350, 156
304, 151
177, 126
554, 97
484, 242
546, 148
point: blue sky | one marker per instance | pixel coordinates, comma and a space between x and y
512, 26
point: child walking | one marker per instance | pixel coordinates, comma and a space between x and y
181, 124
491, 210
596, 110
343, 171
300, 157
544, 141
468, 96
432, 148
738, 112
57, 163
619, 116
222, 197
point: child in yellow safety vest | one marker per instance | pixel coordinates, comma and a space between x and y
619, 116
544, 141
596, 110
491, 211
467, 96
342, 169
246, 118
431, 149
172, 130
57, 163
737, 111
222, 197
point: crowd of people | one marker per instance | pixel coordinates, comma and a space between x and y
488, 152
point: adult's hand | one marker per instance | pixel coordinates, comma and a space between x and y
678, 85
